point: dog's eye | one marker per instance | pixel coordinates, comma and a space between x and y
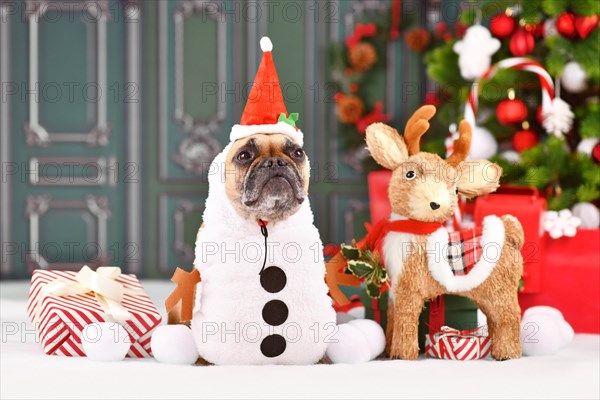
244, 156
298, 153
456, 190
410, 175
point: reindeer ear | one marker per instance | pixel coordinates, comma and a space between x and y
386, 145
478, 177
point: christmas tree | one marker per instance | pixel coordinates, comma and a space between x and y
555, 148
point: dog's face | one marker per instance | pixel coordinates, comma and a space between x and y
266, 177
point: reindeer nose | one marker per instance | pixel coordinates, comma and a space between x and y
434, 205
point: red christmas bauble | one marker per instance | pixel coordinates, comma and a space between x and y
585, 25
523, 140
502, 26
565, 24
521, 43
596, 153
511, 112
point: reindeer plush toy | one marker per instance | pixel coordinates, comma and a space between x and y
422, 258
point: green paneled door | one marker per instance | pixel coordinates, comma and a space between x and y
70, 176
174, 77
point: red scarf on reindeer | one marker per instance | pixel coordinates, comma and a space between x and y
376, 233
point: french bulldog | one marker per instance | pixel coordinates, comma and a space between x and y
262, 298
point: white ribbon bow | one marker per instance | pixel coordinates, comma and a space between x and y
101, 282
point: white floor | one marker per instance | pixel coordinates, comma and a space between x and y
25, 372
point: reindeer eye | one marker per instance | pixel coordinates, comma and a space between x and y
410, 175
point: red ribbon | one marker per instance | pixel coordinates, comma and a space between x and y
376, 115
395, 30
360, 31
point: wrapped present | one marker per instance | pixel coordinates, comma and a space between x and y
528, 207
571, 280
62, 303
454, 344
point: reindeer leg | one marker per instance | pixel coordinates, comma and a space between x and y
389, 329
504, 325
405, 341
506, 342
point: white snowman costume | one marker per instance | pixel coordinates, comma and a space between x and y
282, 315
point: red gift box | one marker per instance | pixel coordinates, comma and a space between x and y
379, 202
571, 280
528, 207
452, 344
60, 318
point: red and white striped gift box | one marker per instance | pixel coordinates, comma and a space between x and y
59, 320
452, 344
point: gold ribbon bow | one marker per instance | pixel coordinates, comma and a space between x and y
101, 282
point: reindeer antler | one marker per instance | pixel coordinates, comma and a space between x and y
462, 145
416, 126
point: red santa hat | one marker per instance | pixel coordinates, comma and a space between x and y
265, 111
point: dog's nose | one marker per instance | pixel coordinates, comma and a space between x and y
434, 205
274, 162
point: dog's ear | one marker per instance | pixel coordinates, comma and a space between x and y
386, 145
478, 177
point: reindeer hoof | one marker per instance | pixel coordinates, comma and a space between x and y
506, 356
404, 355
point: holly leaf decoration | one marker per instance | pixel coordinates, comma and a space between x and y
291, 120
350, 252
359, 268
383, 276
373, 290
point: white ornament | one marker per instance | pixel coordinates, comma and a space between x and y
174, 344
373, 333
105, 341
558, 118
587, 145
561, 223
588, 214
545, 310
550, 27
483, 144
475, 52
348, 346
357, 341
511, 156
574, 77
544, 331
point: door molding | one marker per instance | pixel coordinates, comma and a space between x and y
5, 141
133, 26
199, 147
38, 205
35, 133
